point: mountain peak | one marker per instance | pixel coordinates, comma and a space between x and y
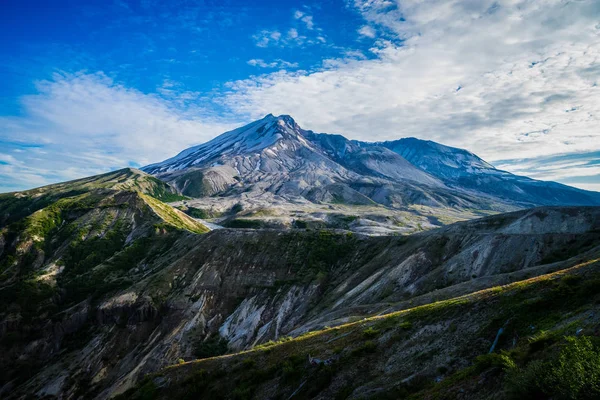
283, 118
246, 140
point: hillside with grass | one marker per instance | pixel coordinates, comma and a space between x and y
64, 248
535, 338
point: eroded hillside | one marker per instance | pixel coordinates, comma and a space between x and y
182, 296
438, 351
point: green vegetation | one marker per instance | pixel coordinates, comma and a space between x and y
236, 208
573, 247
370, 332
211, 347
199, 212
84, 236
270, 343
110, 267
300, 224
29, 295
163, 192
82, 255
343, 221
327, 249
572, 374
174, 217
193, 184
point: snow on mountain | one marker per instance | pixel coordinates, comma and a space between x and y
274, 155
251, 138
370, 159
462, 169
442, 161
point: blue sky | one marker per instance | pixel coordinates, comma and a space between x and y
145, 44
90, 86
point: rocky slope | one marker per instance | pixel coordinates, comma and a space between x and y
529, 339
183, 296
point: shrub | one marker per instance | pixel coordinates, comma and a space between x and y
243, 223
405, 326
299, 224
541, 340
197, 213
212, 347
370, 332
486, 361
573, 374
270, 343
237, 208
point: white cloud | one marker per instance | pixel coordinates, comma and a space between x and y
257, 62
266, 37
304, 17
576, 169
308, 21
588, 186
83, 124
505, 79
367, 31
297, 36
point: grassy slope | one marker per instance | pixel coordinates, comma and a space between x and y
18, 205
174, 217
402, 354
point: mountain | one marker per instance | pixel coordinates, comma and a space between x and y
274, 167
96, 327
64, 246
461, 169
275, 155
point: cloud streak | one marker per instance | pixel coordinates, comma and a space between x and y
83, 124
257, 62
303, 34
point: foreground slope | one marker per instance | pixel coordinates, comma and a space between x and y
184, 296
436, 351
